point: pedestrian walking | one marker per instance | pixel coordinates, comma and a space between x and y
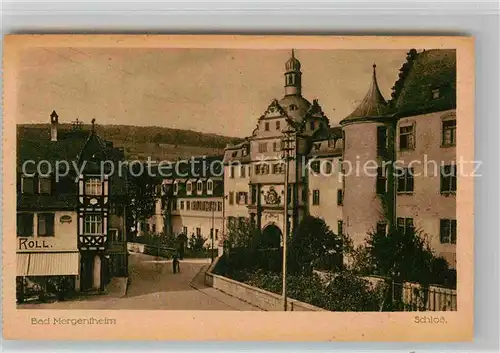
175, 264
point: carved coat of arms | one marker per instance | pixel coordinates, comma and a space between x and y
272, 197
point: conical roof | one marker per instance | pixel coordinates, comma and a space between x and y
372, 105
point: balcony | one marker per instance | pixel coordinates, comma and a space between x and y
92, 242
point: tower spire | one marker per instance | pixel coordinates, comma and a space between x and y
293, 75
373, 104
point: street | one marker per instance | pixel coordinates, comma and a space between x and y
153, 286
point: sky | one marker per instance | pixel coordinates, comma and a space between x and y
209, 90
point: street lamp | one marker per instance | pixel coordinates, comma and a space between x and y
287, 146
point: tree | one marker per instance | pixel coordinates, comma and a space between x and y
314, 243
242, 234
142, 195
403, 255
196, 242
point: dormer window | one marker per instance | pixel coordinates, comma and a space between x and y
313, 126
199, 186
436, 93
278, 125
210, 187
189, 187
266, 126
293, 107
93, 186
176, 187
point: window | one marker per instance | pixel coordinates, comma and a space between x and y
311, 123
340, 227
257, 169
315, 197
381, 181
328, 167
198, 232
381, 140
113, 235
28, 185
176, 188
436, 94
231, 198
292, 106
448, 179
93, 224
405, 225
219, 206
189, 187
184, 230
449, 133
45, 224
276, 146
25, 224
174, 205
216, 234
448, 231
264, 169
278, 125
188, 205
381, 228
243, 171
266, 126
210, 187
199, 186
315, 166
93, 186
242, 198
182, 205
405, 180
254, 194
317, 146
44, 185
279, 168
406, 138
262, 147
231, 172
340, 197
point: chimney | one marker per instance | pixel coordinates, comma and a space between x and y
54, 121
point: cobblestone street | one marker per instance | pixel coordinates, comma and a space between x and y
153, 286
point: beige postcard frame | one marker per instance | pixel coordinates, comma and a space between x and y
276, 326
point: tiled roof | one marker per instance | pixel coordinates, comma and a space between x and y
373, 105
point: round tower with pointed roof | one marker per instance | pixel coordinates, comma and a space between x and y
364, 133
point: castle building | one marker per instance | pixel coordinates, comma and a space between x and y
190, 201
70, 221
407, 145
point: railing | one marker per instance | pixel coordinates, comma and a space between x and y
414, 297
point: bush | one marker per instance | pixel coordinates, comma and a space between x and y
345, 292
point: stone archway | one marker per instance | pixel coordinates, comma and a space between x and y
271, 236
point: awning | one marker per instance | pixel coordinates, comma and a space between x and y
22, 264
48, 264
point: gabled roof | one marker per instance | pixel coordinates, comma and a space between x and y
373, 105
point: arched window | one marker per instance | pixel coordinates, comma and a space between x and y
293, 107
189, 187
176, 187
199, 186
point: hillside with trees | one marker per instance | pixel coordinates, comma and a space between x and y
139, 142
